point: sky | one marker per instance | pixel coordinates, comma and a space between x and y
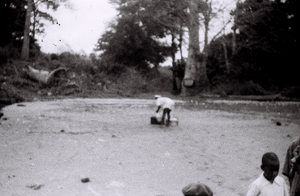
79, 28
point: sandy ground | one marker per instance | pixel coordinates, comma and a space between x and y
47, 148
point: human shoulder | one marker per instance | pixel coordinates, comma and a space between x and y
261, 181
160, 100
295, 143
279, 180
255, 187
168, 99
163, 99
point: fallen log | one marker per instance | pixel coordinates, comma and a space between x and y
42, 76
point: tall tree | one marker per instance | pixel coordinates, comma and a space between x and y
41, 15
12, 17
190, 77
34, 15
136, 37
206, 11
195, 77
234, 13
266, 43
26, 40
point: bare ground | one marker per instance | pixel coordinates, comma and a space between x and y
47, 148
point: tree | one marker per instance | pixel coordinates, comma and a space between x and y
135, 38
209, 13
266, 42
206, 11
25, 47
190, 77
217, 60
33, 17
12, 17
234, 13
39, 15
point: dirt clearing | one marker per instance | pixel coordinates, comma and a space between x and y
48, 148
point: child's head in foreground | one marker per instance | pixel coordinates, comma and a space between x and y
270, 166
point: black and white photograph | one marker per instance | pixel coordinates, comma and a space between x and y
149, 98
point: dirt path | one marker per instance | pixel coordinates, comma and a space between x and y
47, 148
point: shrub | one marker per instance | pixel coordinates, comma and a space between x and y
131, 82
237, 88
3, 56
251, 88
7, 53
291, 92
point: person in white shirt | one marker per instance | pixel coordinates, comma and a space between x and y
167, 106
269, 183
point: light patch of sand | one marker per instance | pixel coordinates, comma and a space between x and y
46, 148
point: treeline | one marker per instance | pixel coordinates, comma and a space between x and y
258, 57
262, 50
21, 21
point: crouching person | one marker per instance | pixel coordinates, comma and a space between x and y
167, 106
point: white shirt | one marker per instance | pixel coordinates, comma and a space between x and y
165, 102
263, 187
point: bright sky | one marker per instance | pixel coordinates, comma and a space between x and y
78, 29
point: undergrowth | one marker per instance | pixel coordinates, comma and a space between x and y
85, 77
91, 77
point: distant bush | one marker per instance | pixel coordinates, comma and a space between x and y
22, 83
237, 88
7, 53
292, 92
251, 88
3, 56
160, 83
131, 82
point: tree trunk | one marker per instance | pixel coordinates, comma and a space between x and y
234, 28
34, 20
181, 41
203, 80
26, 40
207, 19
156, 65
42, 76
174, 64
226, 57
234, 41
192, 65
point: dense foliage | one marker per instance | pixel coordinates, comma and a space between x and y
266, 46
12, 18
258, 57
134, 39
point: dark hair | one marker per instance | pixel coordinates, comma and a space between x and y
269, 158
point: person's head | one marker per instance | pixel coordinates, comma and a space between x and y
270, 166
157, 96
197, 189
